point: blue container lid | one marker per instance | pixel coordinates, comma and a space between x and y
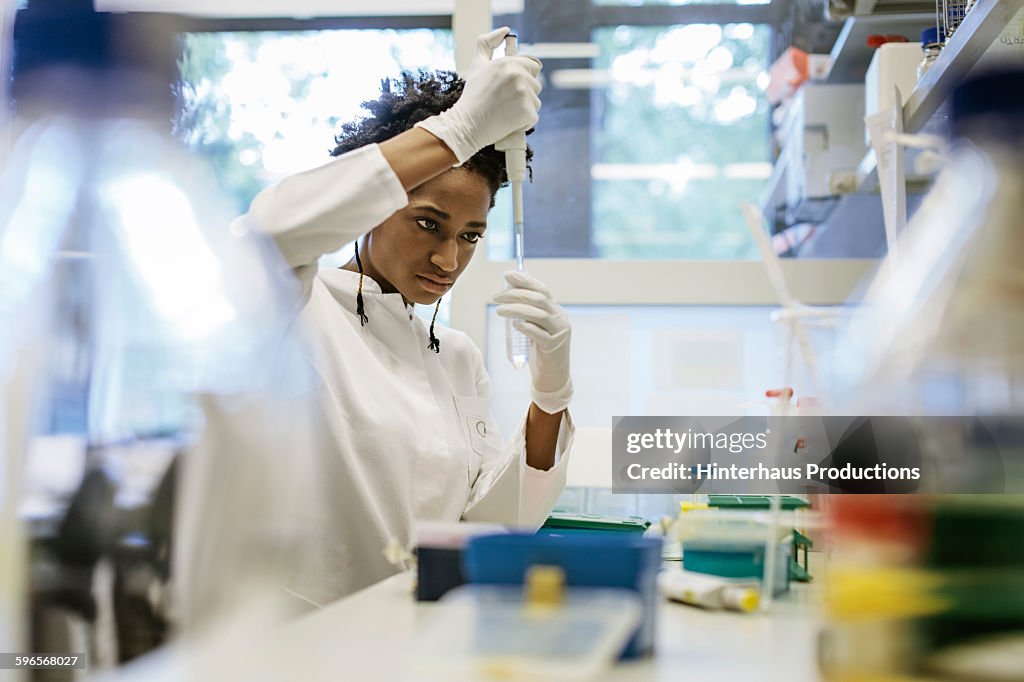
597, 540
594, 558
930, 35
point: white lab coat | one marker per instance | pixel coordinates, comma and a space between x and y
409, 431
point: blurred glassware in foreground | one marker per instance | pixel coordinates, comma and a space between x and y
932, 587
136, 325
925, 588
941, 330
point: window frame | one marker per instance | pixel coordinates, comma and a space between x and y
285, 24
590, 281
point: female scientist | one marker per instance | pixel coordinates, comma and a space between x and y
406, 404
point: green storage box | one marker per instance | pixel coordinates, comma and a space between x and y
787, 502
560, 522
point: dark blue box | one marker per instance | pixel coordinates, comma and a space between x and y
594, 559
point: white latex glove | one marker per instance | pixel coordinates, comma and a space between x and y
536, 314
500, 98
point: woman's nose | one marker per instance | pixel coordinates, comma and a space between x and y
446, 256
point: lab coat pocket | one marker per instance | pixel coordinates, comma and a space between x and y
473, 413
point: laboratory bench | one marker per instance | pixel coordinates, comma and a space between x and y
371, 635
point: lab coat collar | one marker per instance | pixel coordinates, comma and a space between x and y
371, 288
370, 285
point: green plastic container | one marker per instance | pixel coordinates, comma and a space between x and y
562, 523
787, 502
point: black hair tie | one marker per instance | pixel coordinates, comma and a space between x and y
435, 343
360, 310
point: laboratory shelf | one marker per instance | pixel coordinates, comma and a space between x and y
979, 29
867, 174
851, 54
882, 6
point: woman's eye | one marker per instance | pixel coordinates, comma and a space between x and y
427, 224
472, 237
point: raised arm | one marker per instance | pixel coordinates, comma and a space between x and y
318, 211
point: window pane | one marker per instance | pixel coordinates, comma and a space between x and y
682, 137
667, 360
261, 105
648, 140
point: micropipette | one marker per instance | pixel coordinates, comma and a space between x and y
517, 344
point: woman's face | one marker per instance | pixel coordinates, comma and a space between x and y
422, 249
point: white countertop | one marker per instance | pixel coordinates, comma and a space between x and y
371, 636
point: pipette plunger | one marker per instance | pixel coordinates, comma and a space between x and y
517, 344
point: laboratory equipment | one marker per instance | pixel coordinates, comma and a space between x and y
439, 550
517, 344
822, 146
538, 631
942, 330
894, 65
796, 320
730, 539
740, 559
923, 584
619, 560
931, 45
920, 586
748, 502
788, 73
801, 545
951, 14
560, 523
699, 589
18, 315
737, 545
145, 325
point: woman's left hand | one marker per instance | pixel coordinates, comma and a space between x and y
537, 315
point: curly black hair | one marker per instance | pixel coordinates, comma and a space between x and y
409, 99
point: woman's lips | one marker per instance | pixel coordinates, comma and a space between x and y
433, 286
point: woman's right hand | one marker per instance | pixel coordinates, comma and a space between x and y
500, 98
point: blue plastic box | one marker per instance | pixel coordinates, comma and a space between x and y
593, 559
